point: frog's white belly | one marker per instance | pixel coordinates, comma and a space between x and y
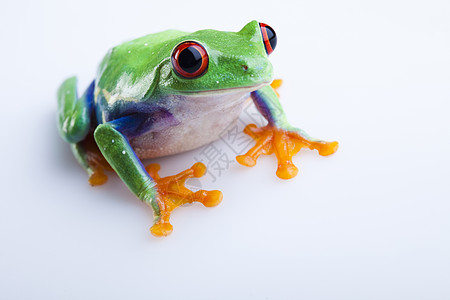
200, 120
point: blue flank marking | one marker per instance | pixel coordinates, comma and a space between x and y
134, 119
262, 106
90, 95
89, 99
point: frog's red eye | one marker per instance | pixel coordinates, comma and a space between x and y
269, 37
190, 60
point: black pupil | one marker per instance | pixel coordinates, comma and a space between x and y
190, 59
272, 37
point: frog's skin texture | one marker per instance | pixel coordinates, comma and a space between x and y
142, 105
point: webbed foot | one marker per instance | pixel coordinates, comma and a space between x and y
285, 144
173, 193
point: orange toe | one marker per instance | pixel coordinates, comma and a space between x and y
172, 193
285, 144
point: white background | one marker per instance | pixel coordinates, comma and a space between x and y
370, 222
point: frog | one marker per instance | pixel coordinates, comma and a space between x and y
171, 92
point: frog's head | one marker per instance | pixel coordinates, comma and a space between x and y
211, 61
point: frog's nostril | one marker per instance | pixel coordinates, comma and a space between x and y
244, 67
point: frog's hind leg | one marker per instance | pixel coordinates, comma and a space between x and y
91, 159
75, 127
74, 114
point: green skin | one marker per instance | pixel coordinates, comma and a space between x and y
140, 72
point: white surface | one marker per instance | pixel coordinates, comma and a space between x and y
370, 222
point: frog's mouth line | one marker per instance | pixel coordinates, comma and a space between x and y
244, 89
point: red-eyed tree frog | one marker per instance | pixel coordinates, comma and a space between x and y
174, 91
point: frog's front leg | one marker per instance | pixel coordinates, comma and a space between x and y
278, 136
162, 194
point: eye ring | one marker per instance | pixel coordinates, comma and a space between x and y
189, 60
269, 37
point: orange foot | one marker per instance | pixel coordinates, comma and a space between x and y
98, 177
285, 144
173, 193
